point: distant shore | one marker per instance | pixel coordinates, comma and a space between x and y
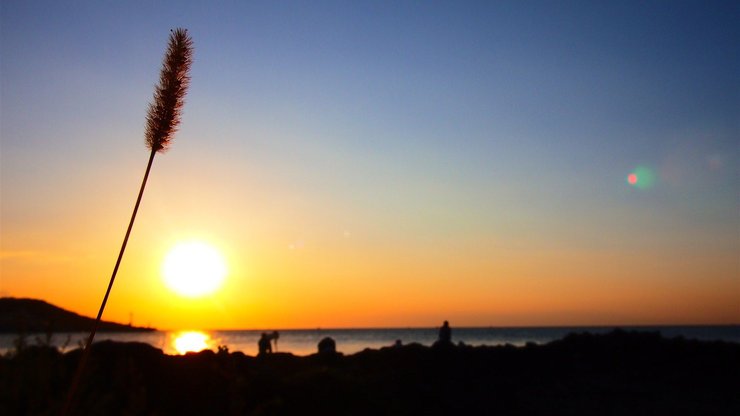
618, 373
23, 316
349, 341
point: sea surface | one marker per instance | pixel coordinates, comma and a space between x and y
349, 341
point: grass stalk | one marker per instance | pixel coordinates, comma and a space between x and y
163, 118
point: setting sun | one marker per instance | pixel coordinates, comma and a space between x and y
194, 269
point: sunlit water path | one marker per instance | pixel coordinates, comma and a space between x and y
349, 341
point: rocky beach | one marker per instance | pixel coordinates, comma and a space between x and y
619, 373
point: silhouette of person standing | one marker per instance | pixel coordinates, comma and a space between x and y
445, 334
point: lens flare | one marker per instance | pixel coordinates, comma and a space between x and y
641, 178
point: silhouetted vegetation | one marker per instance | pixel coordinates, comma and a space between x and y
162, 119
583, 374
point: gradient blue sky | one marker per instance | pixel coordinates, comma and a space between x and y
479, 149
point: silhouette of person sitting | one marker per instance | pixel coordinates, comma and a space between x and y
327, 346
445, 335
264, 344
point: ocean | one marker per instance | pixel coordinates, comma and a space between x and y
349, 341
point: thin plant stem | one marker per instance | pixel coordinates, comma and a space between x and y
162, 120
86, 352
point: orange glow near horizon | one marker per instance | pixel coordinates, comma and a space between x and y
355, 283
376, 277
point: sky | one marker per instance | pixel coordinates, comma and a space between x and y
379, 164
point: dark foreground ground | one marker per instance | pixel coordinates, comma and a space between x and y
621, 373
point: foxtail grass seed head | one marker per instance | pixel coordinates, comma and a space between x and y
164, 112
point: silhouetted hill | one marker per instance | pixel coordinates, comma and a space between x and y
33, 315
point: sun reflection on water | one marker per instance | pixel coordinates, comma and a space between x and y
191, 341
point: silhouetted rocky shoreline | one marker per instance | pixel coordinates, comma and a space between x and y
620, 373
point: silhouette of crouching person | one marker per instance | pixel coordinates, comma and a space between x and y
264, 345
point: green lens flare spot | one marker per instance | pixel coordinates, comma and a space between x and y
641, 178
